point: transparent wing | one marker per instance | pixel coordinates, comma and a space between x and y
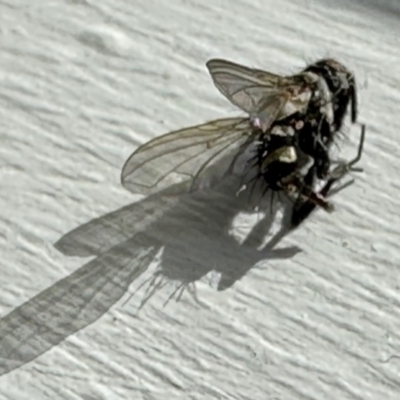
185, 157
265, 96
249, 89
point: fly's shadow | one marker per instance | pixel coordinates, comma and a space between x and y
191, 230
189, 235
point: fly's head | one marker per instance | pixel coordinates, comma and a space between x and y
342, 87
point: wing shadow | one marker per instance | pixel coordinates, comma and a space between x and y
192, 230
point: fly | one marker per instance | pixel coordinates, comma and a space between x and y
292, 123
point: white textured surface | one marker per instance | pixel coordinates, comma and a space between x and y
82, 84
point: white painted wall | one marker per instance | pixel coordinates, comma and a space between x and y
82, 84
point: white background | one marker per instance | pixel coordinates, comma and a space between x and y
82, 84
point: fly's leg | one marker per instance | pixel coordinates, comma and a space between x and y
312, 200
306, 195
343, 169
307, 199
302, 212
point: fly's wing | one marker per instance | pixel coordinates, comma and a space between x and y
185, 157
261, 94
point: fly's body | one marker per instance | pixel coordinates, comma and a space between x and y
292, 124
